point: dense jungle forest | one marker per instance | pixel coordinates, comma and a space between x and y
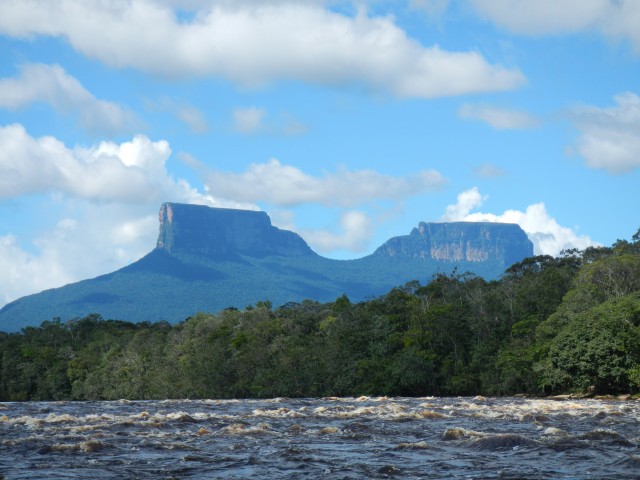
549, 325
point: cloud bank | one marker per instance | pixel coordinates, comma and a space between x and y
548, 237
254, 43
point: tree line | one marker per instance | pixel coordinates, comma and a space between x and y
549, 325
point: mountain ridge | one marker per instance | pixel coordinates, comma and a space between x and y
208, 259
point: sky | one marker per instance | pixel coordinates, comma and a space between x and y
348, 122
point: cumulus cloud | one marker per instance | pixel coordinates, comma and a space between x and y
610, 137
612, 18
132, 172
467, 201
129, 172
499, 118
51, 84
253, 43
548, 237
286, 185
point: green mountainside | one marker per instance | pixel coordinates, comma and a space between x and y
208, 259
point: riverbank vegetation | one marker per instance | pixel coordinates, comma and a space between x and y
549, 325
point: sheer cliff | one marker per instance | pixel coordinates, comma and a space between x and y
502, 243
223, 232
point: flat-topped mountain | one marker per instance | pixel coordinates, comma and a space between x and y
208, 259
503, 243
224, 232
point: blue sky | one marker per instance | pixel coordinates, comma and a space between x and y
348, 122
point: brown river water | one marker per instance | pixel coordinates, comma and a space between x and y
334, 438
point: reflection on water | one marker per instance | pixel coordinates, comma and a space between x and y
344, 438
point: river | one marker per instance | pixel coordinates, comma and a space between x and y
341, 438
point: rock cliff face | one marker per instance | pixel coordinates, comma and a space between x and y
461, 242
224, 232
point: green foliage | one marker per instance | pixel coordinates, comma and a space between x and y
549, 325
598, 350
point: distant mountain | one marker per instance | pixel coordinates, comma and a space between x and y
208, 259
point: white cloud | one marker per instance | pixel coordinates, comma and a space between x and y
548, 237
286, 185
24, 273
248, 120
133, 172
610, 137
498, 118
467, 201
195, 5
253, 43
101, 239
623, 23
354, 234
612, 18
52, 85
542, 16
